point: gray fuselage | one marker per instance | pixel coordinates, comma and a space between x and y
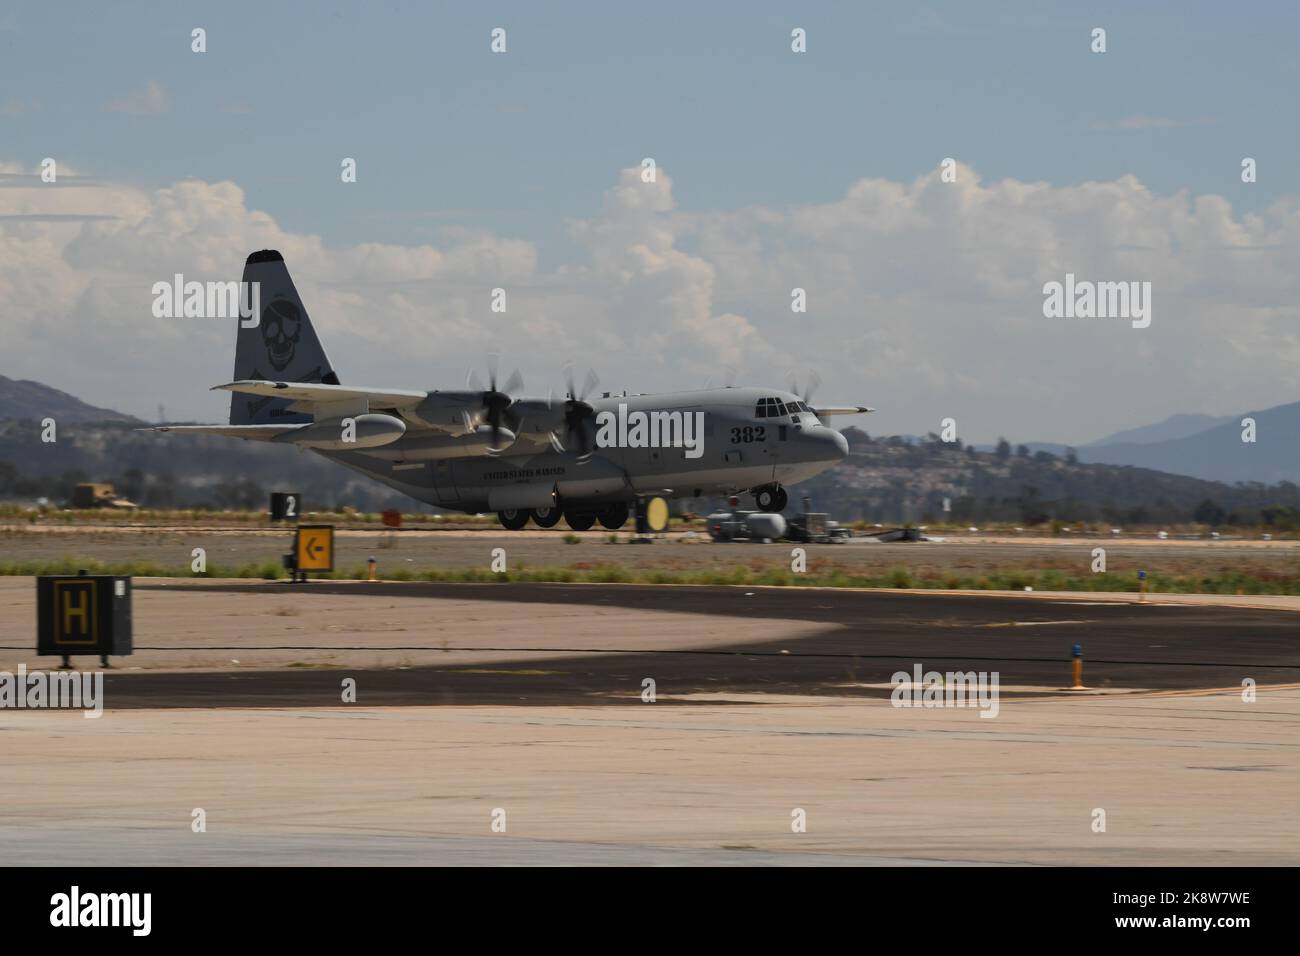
735, 450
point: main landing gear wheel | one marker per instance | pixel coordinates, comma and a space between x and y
613, 517
512, 519
546, 517
580, 521
771, 499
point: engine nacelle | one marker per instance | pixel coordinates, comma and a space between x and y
447, 411
538, 417
366, 431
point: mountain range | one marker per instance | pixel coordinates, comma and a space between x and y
1161, 472
23, 399
1202, 446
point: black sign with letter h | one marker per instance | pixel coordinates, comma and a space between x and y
83, 614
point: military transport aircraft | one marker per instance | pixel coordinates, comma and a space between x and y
485, 449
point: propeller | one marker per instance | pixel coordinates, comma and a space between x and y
495, 402
577, 414
811, 385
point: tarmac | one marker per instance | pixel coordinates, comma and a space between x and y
522, 705
268, 644
1181, 779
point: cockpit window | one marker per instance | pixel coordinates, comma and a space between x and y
775, 408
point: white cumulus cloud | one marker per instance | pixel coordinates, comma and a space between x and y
924, 299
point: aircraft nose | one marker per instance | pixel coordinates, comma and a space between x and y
840, 442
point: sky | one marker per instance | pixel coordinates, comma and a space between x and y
775, 170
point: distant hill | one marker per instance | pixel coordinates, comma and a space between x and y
1051, 447
894, 479
1218, 453
23, 399
1171, 429
891, 481
1200, 446
176, 470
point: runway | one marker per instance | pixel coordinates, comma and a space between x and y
223, 644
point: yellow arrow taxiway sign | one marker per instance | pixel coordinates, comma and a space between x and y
314, 547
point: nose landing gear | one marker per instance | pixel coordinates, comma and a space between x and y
771, 498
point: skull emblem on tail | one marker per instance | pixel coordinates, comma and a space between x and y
281, 329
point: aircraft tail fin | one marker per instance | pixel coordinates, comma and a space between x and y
282, 347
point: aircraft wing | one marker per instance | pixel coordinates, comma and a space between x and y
316, 392
251, 432
828, 410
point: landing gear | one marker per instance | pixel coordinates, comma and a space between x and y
771, 498
546, 517
613, 517
512, 519
580, 520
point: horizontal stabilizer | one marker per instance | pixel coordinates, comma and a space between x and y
251, 432
828, 410
298, 392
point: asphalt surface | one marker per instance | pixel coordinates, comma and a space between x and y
867, 637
